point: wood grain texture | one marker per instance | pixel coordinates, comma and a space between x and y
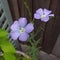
22, 9
14, 9
52, 29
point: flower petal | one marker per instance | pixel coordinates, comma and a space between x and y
14, 34
47, 12
40, 11
37, 16
52, 15
15, 26
23, 36
29, 28
22, 22
45, 19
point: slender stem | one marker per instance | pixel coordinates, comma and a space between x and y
28, 9
21, 53
33, 35
38, 30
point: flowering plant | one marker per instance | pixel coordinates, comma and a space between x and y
23, 31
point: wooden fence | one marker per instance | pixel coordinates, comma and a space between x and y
52, 28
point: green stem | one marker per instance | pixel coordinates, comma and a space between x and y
38, 30
33, 35
28, 9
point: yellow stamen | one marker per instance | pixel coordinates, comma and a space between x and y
22, 30
43, 16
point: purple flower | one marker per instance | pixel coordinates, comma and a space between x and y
20, 29
43, 14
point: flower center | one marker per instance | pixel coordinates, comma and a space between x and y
43, 16
22, 30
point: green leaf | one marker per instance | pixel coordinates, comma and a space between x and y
3, 33
8, 49
7, 46
9, 56
18, 57
37, 42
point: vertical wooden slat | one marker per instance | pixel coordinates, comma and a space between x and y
22, 9
14, 8
52, 28
40, 4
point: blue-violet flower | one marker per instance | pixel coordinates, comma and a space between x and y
43, 14
20, 29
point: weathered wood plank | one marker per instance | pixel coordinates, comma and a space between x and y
52, 28
14, 9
